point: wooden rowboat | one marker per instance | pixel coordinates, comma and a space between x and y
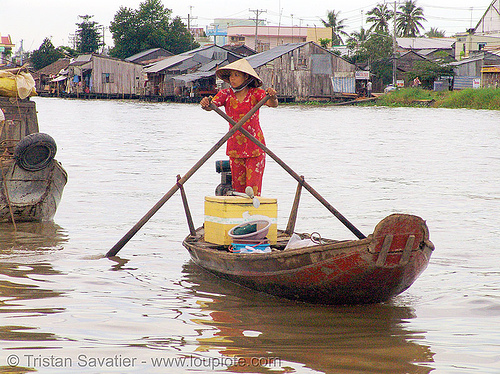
368, 270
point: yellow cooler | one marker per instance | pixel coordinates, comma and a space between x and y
222, 213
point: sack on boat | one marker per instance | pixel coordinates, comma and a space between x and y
297, 242
19, 84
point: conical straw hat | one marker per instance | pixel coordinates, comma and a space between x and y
240, 65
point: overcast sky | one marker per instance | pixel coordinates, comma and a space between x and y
33, 20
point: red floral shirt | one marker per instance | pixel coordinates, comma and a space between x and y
238, 145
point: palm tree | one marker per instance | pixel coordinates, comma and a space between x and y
357, 38
333, 21
355, 43
435, 33
409, 18
379, 17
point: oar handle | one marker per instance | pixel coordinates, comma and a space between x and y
308, 187
236, 126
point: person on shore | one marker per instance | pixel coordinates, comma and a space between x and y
246, 159
369, 89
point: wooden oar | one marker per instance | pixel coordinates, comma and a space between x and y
313, 192
116, 248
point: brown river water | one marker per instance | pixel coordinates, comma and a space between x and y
64, 308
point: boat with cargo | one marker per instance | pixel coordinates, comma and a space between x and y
305, 266
31, 179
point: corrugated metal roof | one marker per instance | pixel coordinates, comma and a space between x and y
141, 54
412, 53
55, 67
81, 60
495, 52
210, 65
426, 43
197, 50
427, 51
267, 56
185, 78
185, 65
466, 61
166, 63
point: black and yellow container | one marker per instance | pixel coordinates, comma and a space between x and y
222, 213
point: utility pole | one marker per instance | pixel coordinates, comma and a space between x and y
189, 18
103, 39
394, 44
256, 19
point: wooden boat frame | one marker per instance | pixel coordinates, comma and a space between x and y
368, 270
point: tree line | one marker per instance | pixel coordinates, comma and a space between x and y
132, 30
152, 26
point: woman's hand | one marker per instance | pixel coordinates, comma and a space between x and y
271, 92
205, 103
273, 99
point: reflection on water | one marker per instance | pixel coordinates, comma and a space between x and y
33, 237
24, 266
239, 322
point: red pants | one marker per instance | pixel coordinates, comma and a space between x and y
248, 172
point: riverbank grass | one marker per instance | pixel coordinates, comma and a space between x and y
481, 98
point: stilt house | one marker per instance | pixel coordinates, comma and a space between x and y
103, 76
304, 71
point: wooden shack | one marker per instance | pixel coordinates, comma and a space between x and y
490, 76
52, 78
469, 70
98, 76
192, 86
188, 73
304, 71
160, 72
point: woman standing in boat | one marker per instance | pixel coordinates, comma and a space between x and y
247, 160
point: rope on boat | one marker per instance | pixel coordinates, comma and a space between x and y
9, 203
316, 238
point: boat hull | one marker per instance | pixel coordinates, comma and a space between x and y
30, 195
369, 270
